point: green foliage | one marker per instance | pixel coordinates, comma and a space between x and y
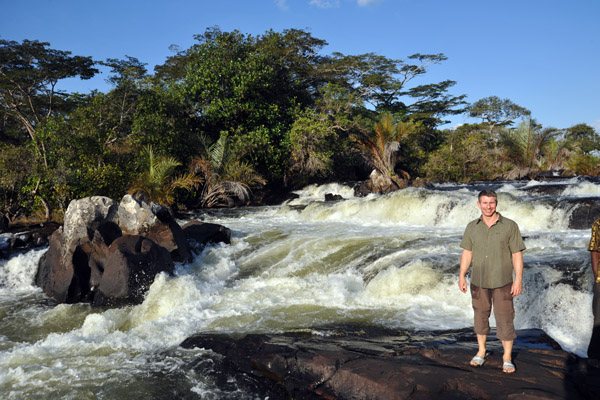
524, 145
236, 88
226, 178
583, 137
497, 112
274, 108
381, 144
312, 142
17, 165
584, 164
466, 155
556, 153
158, 180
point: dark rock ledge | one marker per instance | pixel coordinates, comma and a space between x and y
375, 363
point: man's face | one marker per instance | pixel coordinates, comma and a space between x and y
487, 205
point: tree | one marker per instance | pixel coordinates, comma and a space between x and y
237, 89
584, 137
29, 75
381, 145
496, 112
312, 149
523, 146
556, 153
465, 155
159, 182
226, 178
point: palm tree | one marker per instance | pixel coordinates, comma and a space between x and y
381, 145
225, 176
158, 181
523, 146
556, 154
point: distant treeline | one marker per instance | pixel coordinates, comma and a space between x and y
235, 115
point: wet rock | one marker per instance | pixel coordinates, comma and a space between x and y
154, 222
371, 363
108, 253
421, 183
204, 233
26, 237
131, 264
582, 212
550, 190
333, 197
4, 223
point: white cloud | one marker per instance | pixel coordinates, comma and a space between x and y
337, 3
363, 3
325, 3
282, 4
596, 125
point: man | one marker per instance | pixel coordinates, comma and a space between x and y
594, 346
493, 245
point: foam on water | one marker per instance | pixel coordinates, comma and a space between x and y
390, 260
419, 207
17, 273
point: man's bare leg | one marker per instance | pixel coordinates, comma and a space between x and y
507, 356
481, 341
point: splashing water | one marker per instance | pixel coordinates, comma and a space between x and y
389, 260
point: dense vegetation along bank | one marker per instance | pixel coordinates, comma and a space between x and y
218, 123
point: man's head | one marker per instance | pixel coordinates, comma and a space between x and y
487, 193
487, 202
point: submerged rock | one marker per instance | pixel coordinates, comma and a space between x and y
373, 363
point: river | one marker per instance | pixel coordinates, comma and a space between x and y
385, 260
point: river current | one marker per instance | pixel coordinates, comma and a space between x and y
385, 260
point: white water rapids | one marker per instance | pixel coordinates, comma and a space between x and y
387, 260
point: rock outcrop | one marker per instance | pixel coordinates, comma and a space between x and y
373, 363
108, 253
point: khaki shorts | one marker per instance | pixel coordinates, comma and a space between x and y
504, 311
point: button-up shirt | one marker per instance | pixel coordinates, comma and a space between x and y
492, 249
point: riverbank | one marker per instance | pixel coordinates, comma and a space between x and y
365, 362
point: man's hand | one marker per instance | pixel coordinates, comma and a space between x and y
517, 288
462, 284
465, 263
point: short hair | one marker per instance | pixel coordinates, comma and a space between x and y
487, 193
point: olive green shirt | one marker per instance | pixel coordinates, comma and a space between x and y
492, 249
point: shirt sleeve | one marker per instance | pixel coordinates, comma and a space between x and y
516, 243
595, 240
466, 242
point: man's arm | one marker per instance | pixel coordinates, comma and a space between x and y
517, 286
595, 259
465, 264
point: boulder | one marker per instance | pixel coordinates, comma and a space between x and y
155, 222
65, 271
333, 197
27, 237
131, 263
55, 272
421, 183
108, 253
4, 223
204, 233
582, 211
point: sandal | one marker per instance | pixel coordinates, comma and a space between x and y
478, 361
508, 367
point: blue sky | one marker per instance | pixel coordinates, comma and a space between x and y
541, 54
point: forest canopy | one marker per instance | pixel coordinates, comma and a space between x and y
236, 117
